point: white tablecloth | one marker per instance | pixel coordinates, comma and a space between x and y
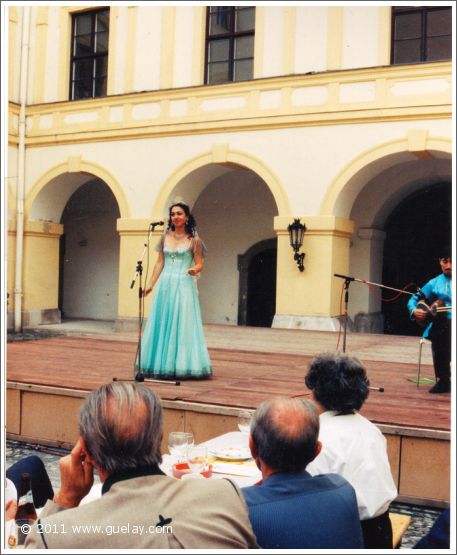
243, 473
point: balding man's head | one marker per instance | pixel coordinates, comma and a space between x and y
121, 424
285, 433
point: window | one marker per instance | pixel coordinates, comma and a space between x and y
89, 54
229, 44
421, 34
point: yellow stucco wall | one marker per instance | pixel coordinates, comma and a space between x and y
41, 265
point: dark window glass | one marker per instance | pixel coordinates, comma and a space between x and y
89, 56
83, 24
229, 44
219, 20
218, 72
244, 19
218, 50
439, 23
408, 26
421, 34
437, 48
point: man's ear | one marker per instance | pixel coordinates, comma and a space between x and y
318, 450
252, 447
85, 451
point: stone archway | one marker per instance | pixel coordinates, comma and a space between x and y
235, 208
376, 184
89, 258
43, 284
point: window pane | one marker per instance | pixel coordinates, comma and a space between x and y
218, 50
82, 89
407, 51
100, 87
82, 69
218, 72
101, 43
83, 24
439, 22
82, 46
408, 26
244, 19
102, 21
220, 20
244, 47
101, 67
243, 70
439, 48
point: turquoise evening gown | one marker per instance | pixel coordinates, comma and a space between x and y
173, 344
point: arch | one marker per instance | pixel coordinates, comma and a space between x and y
83, 167
231, 157
334, 193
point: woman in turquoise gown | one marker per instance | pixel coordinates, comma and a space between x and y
173, 344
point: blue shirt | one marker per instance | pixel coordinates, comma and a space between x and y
438, 288
300, 511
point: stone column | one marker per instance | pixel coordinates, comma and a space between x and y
311, 299
41, 273
366, 263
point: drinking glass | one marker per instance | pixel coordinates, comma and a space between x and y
178, 443
197, 458
244, 421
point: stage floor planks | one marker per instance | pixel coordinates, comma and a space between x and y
266, 363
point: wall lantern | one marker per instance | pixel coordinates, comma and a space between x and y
296, 231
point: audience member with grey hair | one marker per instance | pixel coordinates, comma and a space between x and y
290, 509
120, 428
351, 445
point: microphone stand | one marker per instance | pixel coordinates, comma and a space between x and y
139, 376
347, 281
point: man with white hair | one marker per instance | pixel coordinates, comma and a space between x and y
120, 428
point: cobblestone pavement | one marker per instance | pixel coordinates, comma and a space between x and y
421, 521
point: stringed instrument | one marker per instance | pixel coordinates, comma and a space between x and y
431, 311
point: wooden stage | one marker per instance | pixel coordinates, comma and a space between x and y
48, 378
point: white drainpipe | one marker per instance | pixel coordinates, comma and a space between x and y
21, 169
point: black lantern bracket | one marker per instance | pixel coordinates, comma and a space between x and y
296, 231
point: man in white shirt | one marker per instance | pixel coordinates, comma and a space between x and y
351, 445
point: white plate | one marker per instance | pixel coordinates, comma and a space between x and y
232, 453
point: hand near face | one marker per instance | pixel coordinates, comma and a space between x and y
76, 477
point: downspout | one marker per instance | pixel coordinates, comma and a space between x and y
21, 169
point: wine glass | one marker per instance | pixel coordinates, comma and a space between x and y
197, 458
244, 421
178, 443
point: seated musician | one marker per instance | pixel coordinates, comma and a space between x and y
434, 312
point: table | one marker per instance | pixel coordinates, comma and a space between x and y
243, 473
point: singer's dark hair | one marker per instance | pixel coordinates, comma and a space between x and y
339, 382
191, 224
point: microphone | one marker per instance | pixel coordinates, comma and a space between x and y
348, 278
154, 224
